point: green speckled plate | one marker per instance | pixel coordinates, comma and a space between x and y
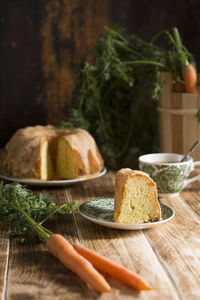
100, 211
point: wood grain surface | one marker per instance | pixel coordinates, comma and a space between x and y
178, 124
167, 256
42, 41
165, 123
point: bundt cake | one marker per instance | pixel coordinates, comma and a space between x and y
46, 153
136, 198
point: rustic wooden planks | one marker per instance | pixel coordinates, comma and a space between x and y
167, 255
46, 38
4, 259
177, 247
176, 124
164, 120
45, 46
179, 127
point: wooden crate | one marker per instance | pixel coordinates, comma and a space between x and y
178, 124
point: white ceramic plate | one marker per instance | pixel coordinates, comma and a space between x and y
51, 183
100, 211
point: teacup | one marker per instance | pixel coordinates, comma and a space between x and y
170, 175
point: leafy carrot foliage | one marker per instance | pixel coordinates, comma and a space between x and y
15, 197
115, 97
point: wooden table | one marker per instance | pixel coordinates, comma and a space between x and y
167, 256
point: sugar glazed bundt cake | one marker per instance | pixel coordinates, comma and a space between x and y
136, 198
46, 153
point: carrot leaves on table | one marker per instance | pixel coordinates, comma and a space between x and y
17, 202
25, 213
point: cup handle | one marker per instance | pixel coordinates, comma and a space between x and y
187, 181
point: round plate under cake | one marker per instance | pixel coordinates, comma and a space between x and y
101, 210
52, 183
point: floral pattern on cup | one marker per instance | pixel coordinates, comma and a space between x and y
168, 171
168, 178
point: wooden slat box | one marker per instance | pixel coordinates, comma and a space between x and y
178, 124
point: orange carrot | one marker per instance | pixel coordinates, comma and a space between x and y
189, 72
179, 87
118, 272
190, 78
70, 258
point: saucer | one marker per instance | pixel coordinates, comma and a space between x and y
101, 211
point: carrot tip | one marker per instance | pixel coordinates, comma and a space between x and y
156, 288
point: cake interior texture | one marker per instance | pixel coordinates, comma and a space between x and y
64, 161
46, 162
135, 198
49, 153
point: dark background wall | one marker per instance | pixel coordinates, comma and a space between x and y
41, 41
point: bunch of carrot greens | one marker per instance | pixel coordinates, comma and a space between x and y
115, 98
25, 214
18, 206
